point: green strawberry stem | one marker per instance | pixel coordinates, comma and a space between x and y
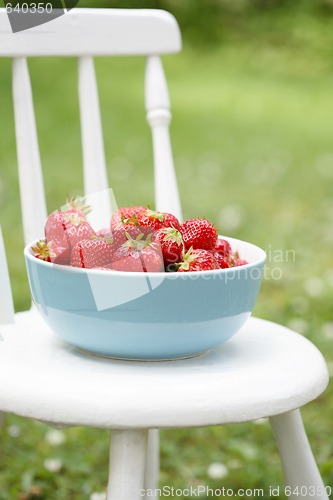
153, 214
97, 237
188, 258
133, 220
138, 243
172, 234
78, 203
74, 218
43, 250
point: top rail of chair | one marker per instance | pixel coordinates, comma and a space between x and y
94, 32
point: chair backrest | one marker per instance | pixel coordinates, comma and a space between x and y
86, 33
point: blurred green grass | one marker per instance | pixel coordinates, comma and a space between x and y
253, 148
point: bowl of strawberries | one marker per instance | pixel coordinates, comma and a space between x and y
147, 287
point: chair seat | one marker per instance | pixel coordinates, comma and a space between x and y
265, 370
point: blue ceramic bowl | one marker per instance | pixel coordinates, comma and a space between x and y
147, 316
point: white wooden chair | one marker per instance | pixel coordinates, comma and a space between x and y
264, 371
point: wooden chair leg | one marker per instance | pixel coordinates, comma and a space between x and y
300, 470
152, 463
127, 464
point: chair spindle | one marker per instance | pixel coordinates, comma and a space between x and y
6, 298
159, 117
33, 203
94, 165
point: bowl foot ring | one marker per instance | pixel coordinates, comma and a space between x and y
140, 360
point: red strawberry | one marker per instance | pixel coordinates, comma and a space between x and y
58, 223
171, 243
121, 224
120, 215
223, 248
199, 233
104, 233
158, 220
51, 252
198, 260
82, 231
119, 233
137, 255
55, 227
222, 261
239, 262
92, 253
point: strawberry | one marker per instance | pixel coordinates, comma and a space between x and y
58, 223
199, 233
158, 220
92, 253
51, 252
119, 233
239, 262
222, 261
198, 260
104, 233
55, 227
75, 234
137, 255
223, 248
139, 220
125, 221
119, 216
66, 229
171, 243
